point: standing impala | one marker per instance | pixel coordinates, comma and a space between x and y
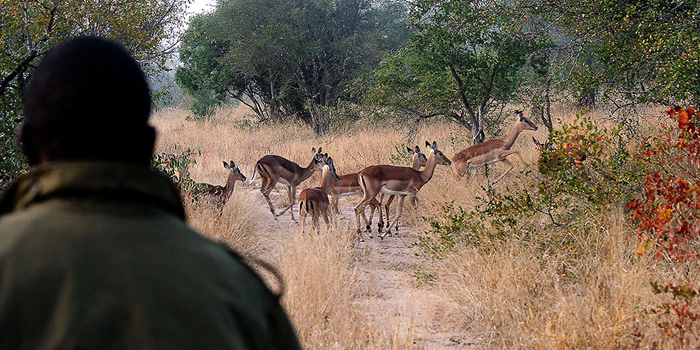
491, 151
394, 180
224, 192
219, 194
419, 160
349, 185
275, 169
314, 200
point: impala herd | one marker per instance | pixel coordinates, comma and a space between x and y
369, 182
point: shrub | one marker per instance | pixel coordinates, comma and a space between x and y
174, 165
585, 171
669, 210
676, 318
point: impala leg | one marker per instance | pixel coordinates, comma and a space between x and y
380, 225
325, 218
373, 207
471, 171
458, 170
373, 204
314, 222
517, 153
510, 167
398, 215
334, 204
302, 220
367, 222
266, 188
357, 215
387, 206
359, 211
414, 201
291, 192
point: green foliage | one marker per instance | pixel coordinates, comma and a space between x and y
640, 50
287, 59
585, 171
29, 29
456, 227
584, 160
204, 105
175, 165
464, 61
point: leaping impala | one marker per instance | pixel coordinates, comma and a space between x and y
314, 200
491, 151
273, 169
348, 185
395, 180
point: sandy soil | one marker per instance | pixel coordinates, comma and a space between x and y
391, 267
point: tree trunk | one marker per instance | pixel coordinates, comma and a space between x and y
541, 110
320, 119
477, 129
587, 98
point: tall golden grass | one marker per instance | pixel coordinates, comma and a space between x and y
515, 296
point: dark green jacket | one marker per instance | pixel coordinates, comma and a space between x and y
98, 256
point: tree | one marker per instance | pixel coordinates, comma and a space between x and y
643, 50
29, 29
463, 61
287, 58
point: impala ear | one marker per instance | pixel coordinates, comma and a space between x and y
435, 146
320, 150
313, 149
226, 165
417, 150
427, 144
232, 164
410, 151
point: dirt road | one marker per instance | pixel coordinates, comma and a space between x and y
399, 293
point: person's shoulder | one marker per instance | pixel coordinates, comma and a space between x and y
18, 224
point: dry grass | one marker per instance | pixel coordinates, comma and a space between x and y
516, 296
527, 299
321, 288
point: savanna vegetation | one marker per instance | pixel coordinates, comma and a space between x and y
591, 243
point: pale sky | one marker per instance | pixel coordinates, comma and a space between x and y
199, 6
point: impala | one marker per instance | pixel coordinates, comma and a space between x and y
419, 160
491, 151
314, 200
541, 146
273, 169
348, 185
394, 180
219, 194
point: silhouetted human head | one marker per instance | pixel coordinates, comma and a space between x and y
88, 100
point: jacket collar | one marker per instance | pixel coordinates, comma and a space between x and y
77, 179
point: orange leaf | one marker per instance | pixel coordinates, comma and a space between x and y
645, 245
683, 119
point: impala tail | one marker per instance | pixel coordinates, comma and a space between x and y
306, 206
255, 173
